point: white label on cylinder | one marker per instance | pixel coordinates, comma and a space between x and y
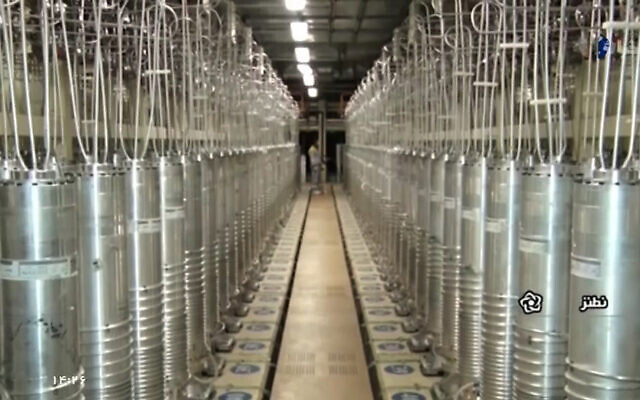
449, 203
470, 214
33, 270
436, 197
174, 213
533, 246
585, 270
151, 225
495, 225
9, 270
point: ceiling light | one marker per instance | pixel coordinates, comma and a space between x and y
303, 55
295, 5
305, 69
299, 31
309, 80
313, 92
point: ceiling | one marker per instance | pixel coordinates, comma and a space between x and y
346, 37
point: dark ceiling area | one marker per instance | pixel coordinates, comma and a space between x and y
345, 38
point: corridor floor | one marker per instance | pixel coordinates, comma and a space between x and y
321, 356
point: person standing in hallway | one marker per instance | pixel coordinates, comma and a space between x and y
315, 160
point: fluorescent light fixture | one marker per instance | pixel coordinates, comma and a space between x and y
295, 5
305, 69
309, 80
313, 92
303, 55
299, 31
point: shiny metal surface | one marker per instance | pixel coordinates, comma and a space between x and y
104, 320
422, 233
253, 216
211, 290
415, 162
172, 211
233, 205
423, 176
197, 350
144, 242
248, 218
91, 87
38, 282
410, 265
452, 261
522, 84
545, 238
474, 207
244, 199
435, 249
225, 188
603, 347
500, 292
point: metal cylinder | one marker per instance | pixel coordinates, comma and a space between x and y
194, 263
604, 323
38, 282
423, 177
420, 282
422, 233
252, 211
105, 322
542, 319
243, 202
500, 293
396, 183
257, 209
211, 313
404, 244
224, 225
474, 205
233, 203
414, 170
406, 174
435, 249
173, 273
410, 233
397, 220
452, 261
145, 277
247, 217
